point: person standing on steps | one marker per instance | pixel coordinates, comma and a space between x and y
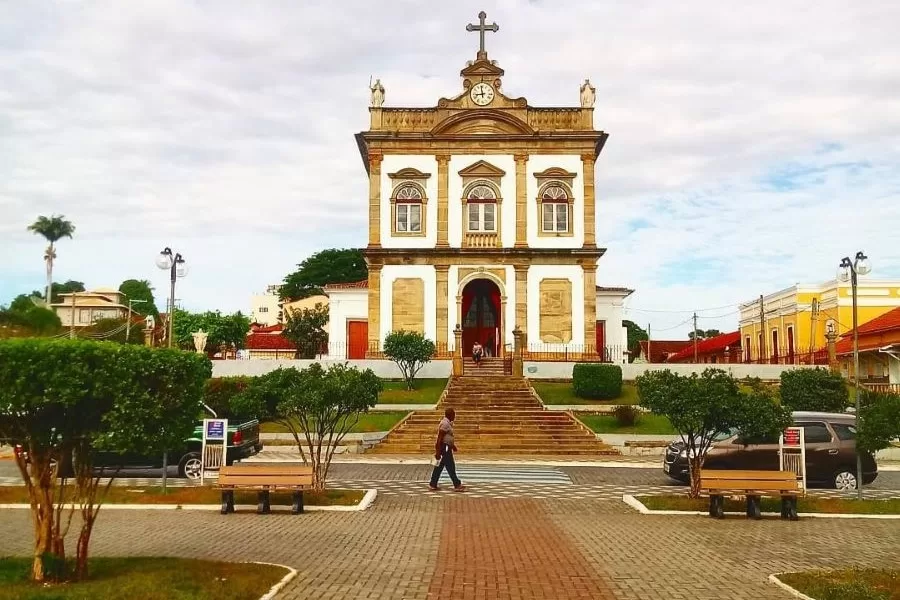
477, 353
444, 448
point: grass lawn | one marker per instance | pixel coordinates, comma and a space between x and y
804, 505
850, 584
562, 393
196, 495
147, 579
368, 422
648, 424
427, 391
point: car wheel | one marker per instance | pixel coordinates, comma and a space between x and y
190, 466
844, 480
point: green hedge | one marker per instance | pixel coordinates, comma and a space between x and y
814, 389
597, 381
219, 392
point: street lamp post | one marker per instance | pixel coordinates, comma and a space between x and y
849, 270
174, 262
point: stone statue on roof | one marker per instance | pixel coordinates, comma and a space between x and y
588, 94
377, 94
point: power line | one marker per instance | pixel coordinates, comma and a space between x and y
689, 310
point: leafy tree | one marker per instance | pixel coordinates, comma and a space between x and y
58, 289
319, 407
230, 330
879, 421
140, 289
306, 330
703, 407
320, 269
64, 400
635, 335
220, 392
30, 314
814, 389
410, 350
704, 334
115, 330
53, 229
23, 303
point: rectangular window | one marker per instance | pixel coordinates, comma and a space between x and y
555, 217
747, 355
482, 216
84, 316
790, 343
263, 309
775, 349
409, 218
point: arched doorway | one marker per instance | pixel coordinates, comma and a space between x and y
482, 319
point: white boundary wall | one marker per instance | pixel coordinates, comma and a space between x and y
440, 369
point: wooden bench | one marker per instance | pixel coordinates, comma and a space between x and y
264, 479
753, 485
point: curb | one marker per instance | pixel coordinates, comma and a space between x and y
506, 462
291, 573
639, 506
366, 502
792, 591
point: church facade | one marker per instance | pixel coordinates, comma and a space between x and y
482, 215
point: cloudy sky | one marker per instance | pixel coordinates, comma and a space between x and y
752, 144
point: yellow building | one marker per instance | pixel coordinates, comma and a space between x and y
792, 325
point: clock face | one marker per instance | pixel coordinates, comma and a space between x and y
482, 94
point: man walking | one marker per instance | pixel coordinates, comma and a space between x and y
443, 453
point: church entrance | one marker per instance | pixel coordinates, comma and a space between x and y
482, 319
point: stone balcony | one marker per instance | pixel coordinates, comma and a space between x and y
480, 239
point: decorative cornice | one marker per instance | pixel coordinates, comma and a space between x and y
409, 173
555, 173
481, 168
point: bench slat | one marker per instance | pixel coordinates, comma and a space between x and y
266, 470
271, 480
750, 485
751, 475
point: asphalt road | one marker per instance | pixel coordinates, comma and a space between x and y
587, 475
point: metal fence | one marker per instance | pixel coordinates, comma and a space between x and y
784, 356
575, 353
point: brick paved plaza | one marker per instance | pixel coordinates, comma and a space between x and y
450, 545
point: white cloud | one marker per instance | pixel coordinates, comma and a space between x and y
751, 144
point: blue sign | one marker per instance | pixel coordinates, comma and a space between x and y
215, 430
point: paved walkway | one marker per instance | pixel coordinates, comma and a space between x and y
436, 546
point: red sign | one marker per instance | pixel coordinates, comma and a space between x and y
792, 437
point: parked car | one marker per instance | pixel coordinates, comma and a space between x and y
830, 452
243, 442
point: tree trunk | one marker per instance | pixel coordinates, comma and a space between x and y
84, 542
50, 275
696, 464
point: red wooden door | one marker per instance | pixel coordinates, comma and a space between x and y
601, 340
357, 339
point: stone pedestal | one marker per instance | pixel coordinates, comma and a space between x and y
148, 338
457, 352
831, 339
518, 365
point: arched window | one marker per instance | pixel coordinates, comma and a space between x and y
555, 209
482, 207
408, 202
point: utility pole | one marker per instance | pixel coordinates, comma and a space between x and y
695, 338
649, 360
762, 329
128, 323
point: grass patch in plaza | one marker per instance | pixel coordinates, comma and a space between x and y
834, 506
368, 423
848, 584
197, 495
427, 391
648, 424
553, 392
147, 579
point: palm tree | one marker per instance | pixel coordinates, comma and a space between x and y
53, 228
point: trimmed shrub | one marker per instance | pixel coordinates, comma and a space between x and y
627, 415
219, 392
597, 381
814, 389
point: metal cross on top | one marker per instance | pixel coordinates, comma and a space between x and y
481, 28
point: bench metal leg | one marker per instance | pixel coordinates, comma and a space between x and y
263, 506
717, 507
297, 507
227, 501
792, 509
753, 507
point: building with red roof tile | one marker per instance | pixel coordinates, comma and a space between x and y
879, 348
659, 351
723, 348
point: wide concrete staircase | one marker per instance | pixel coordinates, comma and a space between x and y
496, 414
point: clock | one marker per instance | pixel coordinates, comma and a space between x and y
482, 93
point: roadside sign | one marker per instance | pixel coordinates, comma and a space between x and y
792, 452
215, 444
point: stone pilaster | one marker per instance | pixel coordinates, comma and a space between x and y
521, 201
590, 202
457, 352
374, 204
443, 201
590, 305
521, 297
375, 308
442, 302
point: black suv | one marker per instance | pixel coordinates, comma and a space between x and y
830, 452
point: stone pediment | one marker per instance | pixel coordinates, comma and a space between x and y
482, 68
480, 169
488, 121
555, 173
409, 173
